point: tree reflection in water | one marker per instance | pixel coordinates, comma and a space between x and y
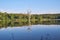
13, 24
20, 24
29, 29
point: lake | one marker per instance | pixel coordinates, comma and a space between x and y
32, 32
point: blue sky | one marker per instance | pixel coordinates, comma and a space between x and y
36, 6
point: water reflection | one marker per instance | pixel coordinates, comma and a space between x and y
44, 22
34, 32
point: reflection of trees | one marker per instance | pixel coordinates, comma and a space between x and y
27, 19
27, 23
29, 28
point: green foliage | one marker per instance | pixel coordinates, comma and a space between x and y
23, 19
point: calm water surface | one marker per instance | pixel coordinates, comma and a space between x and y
33, 32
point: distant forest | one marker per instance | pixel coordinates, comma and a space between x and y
11, 19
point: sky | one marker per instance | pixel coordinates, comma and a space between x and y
35, 6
